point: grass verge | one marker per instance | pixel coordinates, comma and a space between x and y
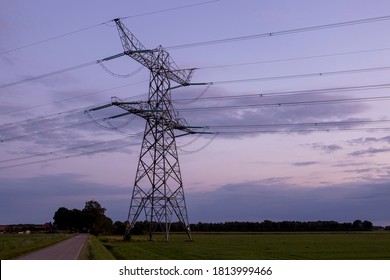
15, 245
96, 249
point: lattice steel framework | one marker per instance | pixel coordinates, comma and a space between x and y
158, 188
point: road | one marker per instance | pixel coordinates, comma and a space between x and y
69, 249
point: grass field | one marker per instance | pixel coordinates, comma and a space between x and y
221, 246
14, 245
279, 246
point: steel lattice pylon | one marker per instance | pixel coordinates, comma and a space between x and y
158, 188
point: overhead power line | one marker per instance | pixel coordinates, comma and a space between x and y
299, 130
212, 42
316, 124
286, 104
283, 93
52, 38
103, 23
306, 75
305, 127
170, 9
54, 152
61, 71
259, 96
68, 156
292, 58
37, 120
277, 128
52, 129
279, 33
228, 107
73, 98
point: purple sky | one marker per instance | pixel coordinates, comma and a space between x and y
341, 171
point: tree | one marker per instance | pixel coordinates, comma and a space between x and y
77, 220
357, 225
95, 219
62, 218
91, 218
120, 227
367, 225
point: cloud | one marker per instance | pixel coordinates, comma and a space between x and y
348, 164
35, 200
270, 113
369, 152
70, 133
325, 148
305, 163
361, 170
369, 140
254, 201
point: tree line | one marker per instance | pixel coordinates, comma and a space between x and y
92, 219
284, 226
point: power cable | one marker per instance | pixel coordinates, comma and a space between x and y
121, 76
279, 33
170, 9
110, 125
58, 151
67, 156
61, 71
350, 71
45, 131
73, 98
340, 24
284, 93
198, 136
307, 75
292, 59
285, 104
103, 23
187, 101
227, 107
51, 117
235, 97
315, 124
52, 38
303, 131
297, 103
199, 149
288, 128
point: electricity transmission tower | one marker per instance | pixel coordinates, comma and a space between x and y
158, 188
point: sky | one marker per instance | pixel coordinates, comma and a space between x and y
297, 101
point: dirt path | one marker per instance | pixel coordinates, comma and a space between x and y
69, 249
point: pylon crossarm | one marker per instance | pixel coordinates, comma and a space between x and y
118, 116
151, 58
100, 107
142, 109
182, 76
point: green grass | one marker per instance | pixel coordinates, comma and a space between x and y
14, 245
97, 251
279, 246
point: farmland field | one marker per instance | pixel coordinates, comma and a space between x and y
14, 245
279, 246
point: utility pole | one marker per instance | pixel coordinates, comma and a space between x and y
158, 188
